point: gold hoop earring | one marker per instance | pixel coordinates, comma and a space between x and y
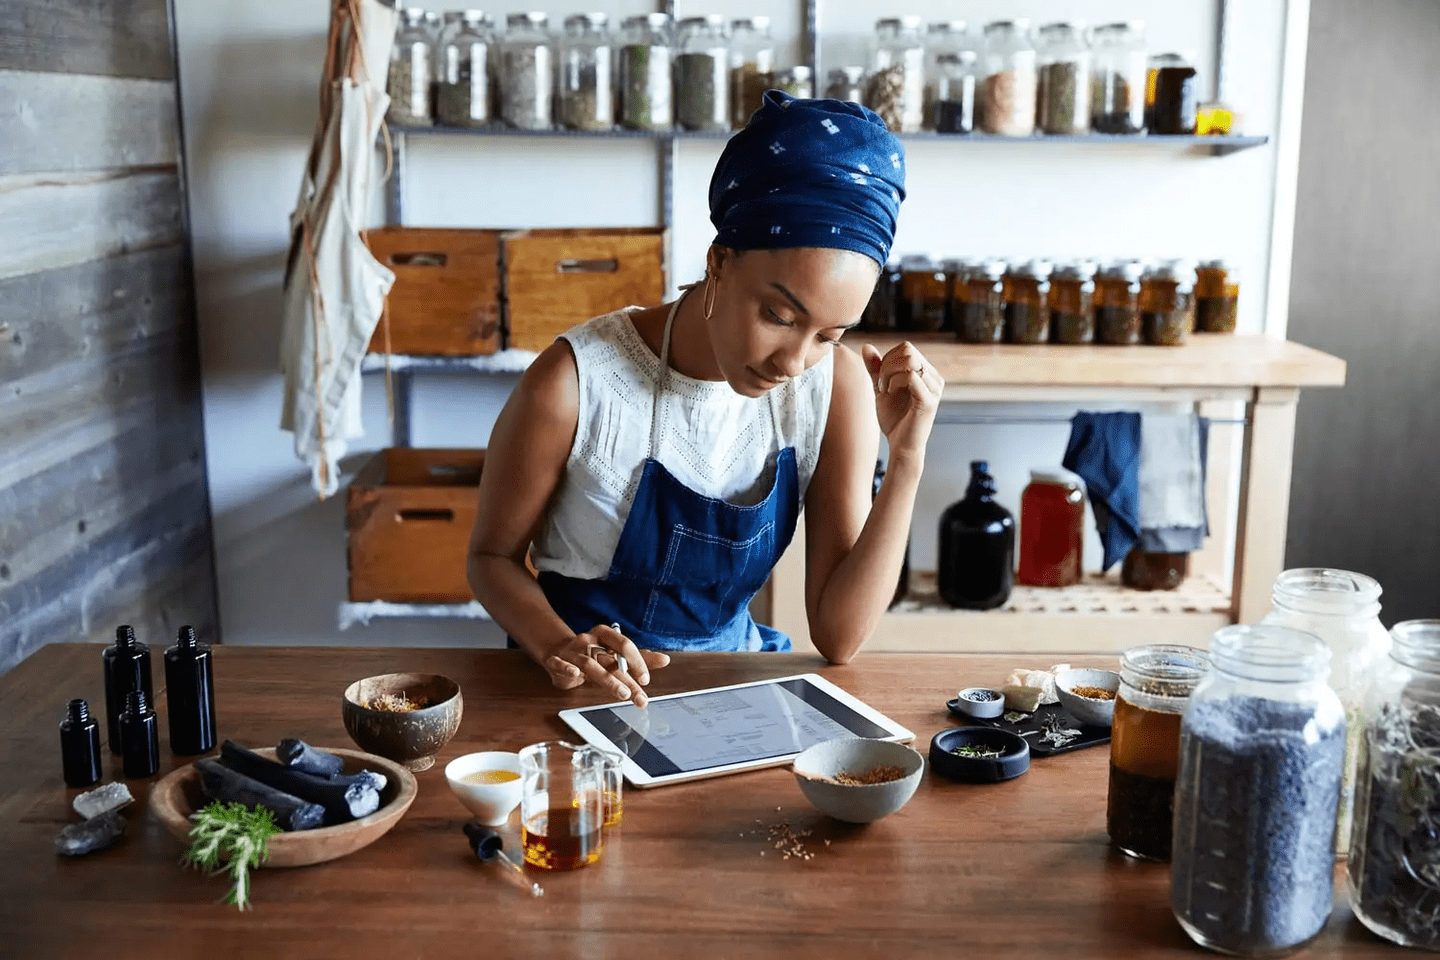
709, 306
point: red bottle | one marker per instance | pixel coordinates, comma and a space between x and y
1052, 530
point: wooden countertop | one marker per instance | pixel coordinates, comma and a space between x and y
1206, 360
1014, 870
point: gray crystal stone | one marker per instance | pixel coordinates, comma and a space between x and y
112, 796
97, 833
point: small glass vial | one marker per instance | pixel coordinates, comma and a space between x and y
980, 303
1117, 303
587, 99
190, 694
957, 80
702, 74
411, 71
796, 81
943, 39
1262, 745
1156, 681
646, 56
527, 71
1217, 297
139, 739
924, 293
1117, 85
1072, 290
977, 547
1171, 94
1007, 101
1167, 304
79, 745
462, 83
1027, 286
896, 86
752, 63
127, 667
1052, 530
1063, 59
846, 83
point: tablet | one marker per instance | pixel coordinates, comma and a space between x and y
720, 730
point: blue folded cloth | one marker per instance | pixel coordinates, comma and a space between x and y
1104, 449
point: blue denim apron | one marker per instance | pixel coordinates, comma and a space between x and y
687, 565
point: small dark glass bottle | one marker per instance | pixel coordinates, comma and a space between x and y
127, 667
977, 547
139, 742
80, 745
190, 695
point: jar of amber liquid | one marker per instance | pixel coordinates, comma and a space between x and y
1143, 570
1052, 530
1026, 287
1072, 289
1156, 681
924, 294
1116, 303
1217, 297
978, 303
879, 315
1167, 304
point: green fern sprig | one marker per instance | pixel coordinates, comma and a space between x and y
234, 831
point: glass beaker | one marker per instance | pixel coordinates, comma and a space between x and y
613, 787
562, 804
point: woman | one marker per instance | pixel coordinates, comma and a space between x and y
654, 461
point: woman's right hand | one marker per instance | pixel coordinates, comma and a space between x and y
577, 662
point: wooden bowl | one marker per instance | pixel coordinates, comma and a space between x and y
411, 738
178, 794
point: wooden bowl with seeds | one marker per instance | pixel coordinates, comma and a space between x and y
405, 717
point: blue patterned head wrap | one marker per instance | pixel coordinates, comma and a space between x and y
809, 173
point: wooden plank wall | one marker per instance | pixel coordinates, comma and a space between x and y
104, 511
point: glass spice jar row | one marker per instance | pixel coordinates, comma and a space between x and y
1029, 302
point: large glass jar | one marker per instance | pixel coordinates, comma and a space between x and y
846, 83
943, 39
1262, 745
1343, 609
956, 84
1008, 99
1117, 303
645, 61
1072, 289
1394, 867
980, 302
1117, 86
924, 294
1027, 286
411, 71
880, 312
896, 86
1156, 681
1052, 530
1217, 296
1171, 94
977, 547
527, 71
1063, 60
462, 87
702, 74
796, 81
752, 61
587, 101
1167, 304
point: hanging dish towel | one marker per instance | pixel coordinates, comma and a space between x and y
1172, 482
1104, 450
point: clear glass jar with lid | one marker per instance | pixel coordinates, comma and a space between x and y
1172, 96
1167, 303
1008, 98
411, 71
587, 99
895, 88
1063, 60
462, 87
1217, 296
1027, 286
1052, 530
957, 81
1117, 303
980, 302
924, 293
527, 72
1072, 288
702, 74
943, 38
846, 83
1117, 70
752, 64
796, 81
1342, 609
1394, 867
646, 57
1262, 746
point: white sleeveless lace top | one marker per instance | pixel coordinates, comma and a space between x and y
713, 440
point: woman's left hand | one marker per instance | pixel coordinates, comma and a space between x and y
907, 394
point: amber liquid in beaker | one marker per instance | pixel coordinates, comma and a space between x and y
562, 838
1144, 761
613, 806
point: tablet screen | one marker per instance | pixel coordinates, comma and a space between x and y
718, 727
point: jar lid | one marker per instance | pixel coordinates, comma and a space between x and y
708, 20
1076, 270
1170, 59
800, 73
1130, 270
1056, 475
1217, 264
948, 27
587, 20
760, 24
532, 19
907, 22
453, 16
916, 262
846, 75
1039, 269
957, 264
1063, 26
1020, 24
659, 20
1121, 26
994, 269
414, 15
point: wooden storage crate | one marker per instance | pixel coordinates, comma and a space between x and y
409, 512
555, 279
446, 296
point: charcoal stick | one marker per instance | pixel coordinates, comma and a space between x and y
219, 782
344, 799
299, 755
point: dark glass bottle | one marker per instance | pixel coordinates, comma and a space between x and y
902, 586
977, 547
127, 667
139, 742
190, 695
80, 745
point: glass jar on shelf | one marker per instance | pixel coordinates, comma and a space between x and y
796, 81
1063, 61
646, 56
846, 83
1146, 570
924, 293
1007, 102
977, 547
587, 100
980, 302
462, 87
1172, 96
752, 63
1117, 303
1167, 304
1118, 78
527, 72
880, 312
896, 86
1262, 744
957, 81
411, 71
1052, 530
1027, 286
942, 39
1217, 296
1072, 291
702, 74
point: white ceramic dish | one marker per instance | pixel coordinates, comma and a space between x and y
491, 803
861, 803
1096, 713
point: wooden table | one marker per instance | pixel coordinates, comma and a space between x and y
1020, 869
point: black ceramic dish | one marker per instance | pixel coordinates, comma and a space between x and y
1013, 760
1034, 726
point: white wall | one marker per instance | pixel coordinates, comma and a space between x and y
249, 81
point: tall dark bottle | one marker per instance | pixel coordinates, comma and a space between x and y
127, 667
79, 745
190, 695
977, 547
